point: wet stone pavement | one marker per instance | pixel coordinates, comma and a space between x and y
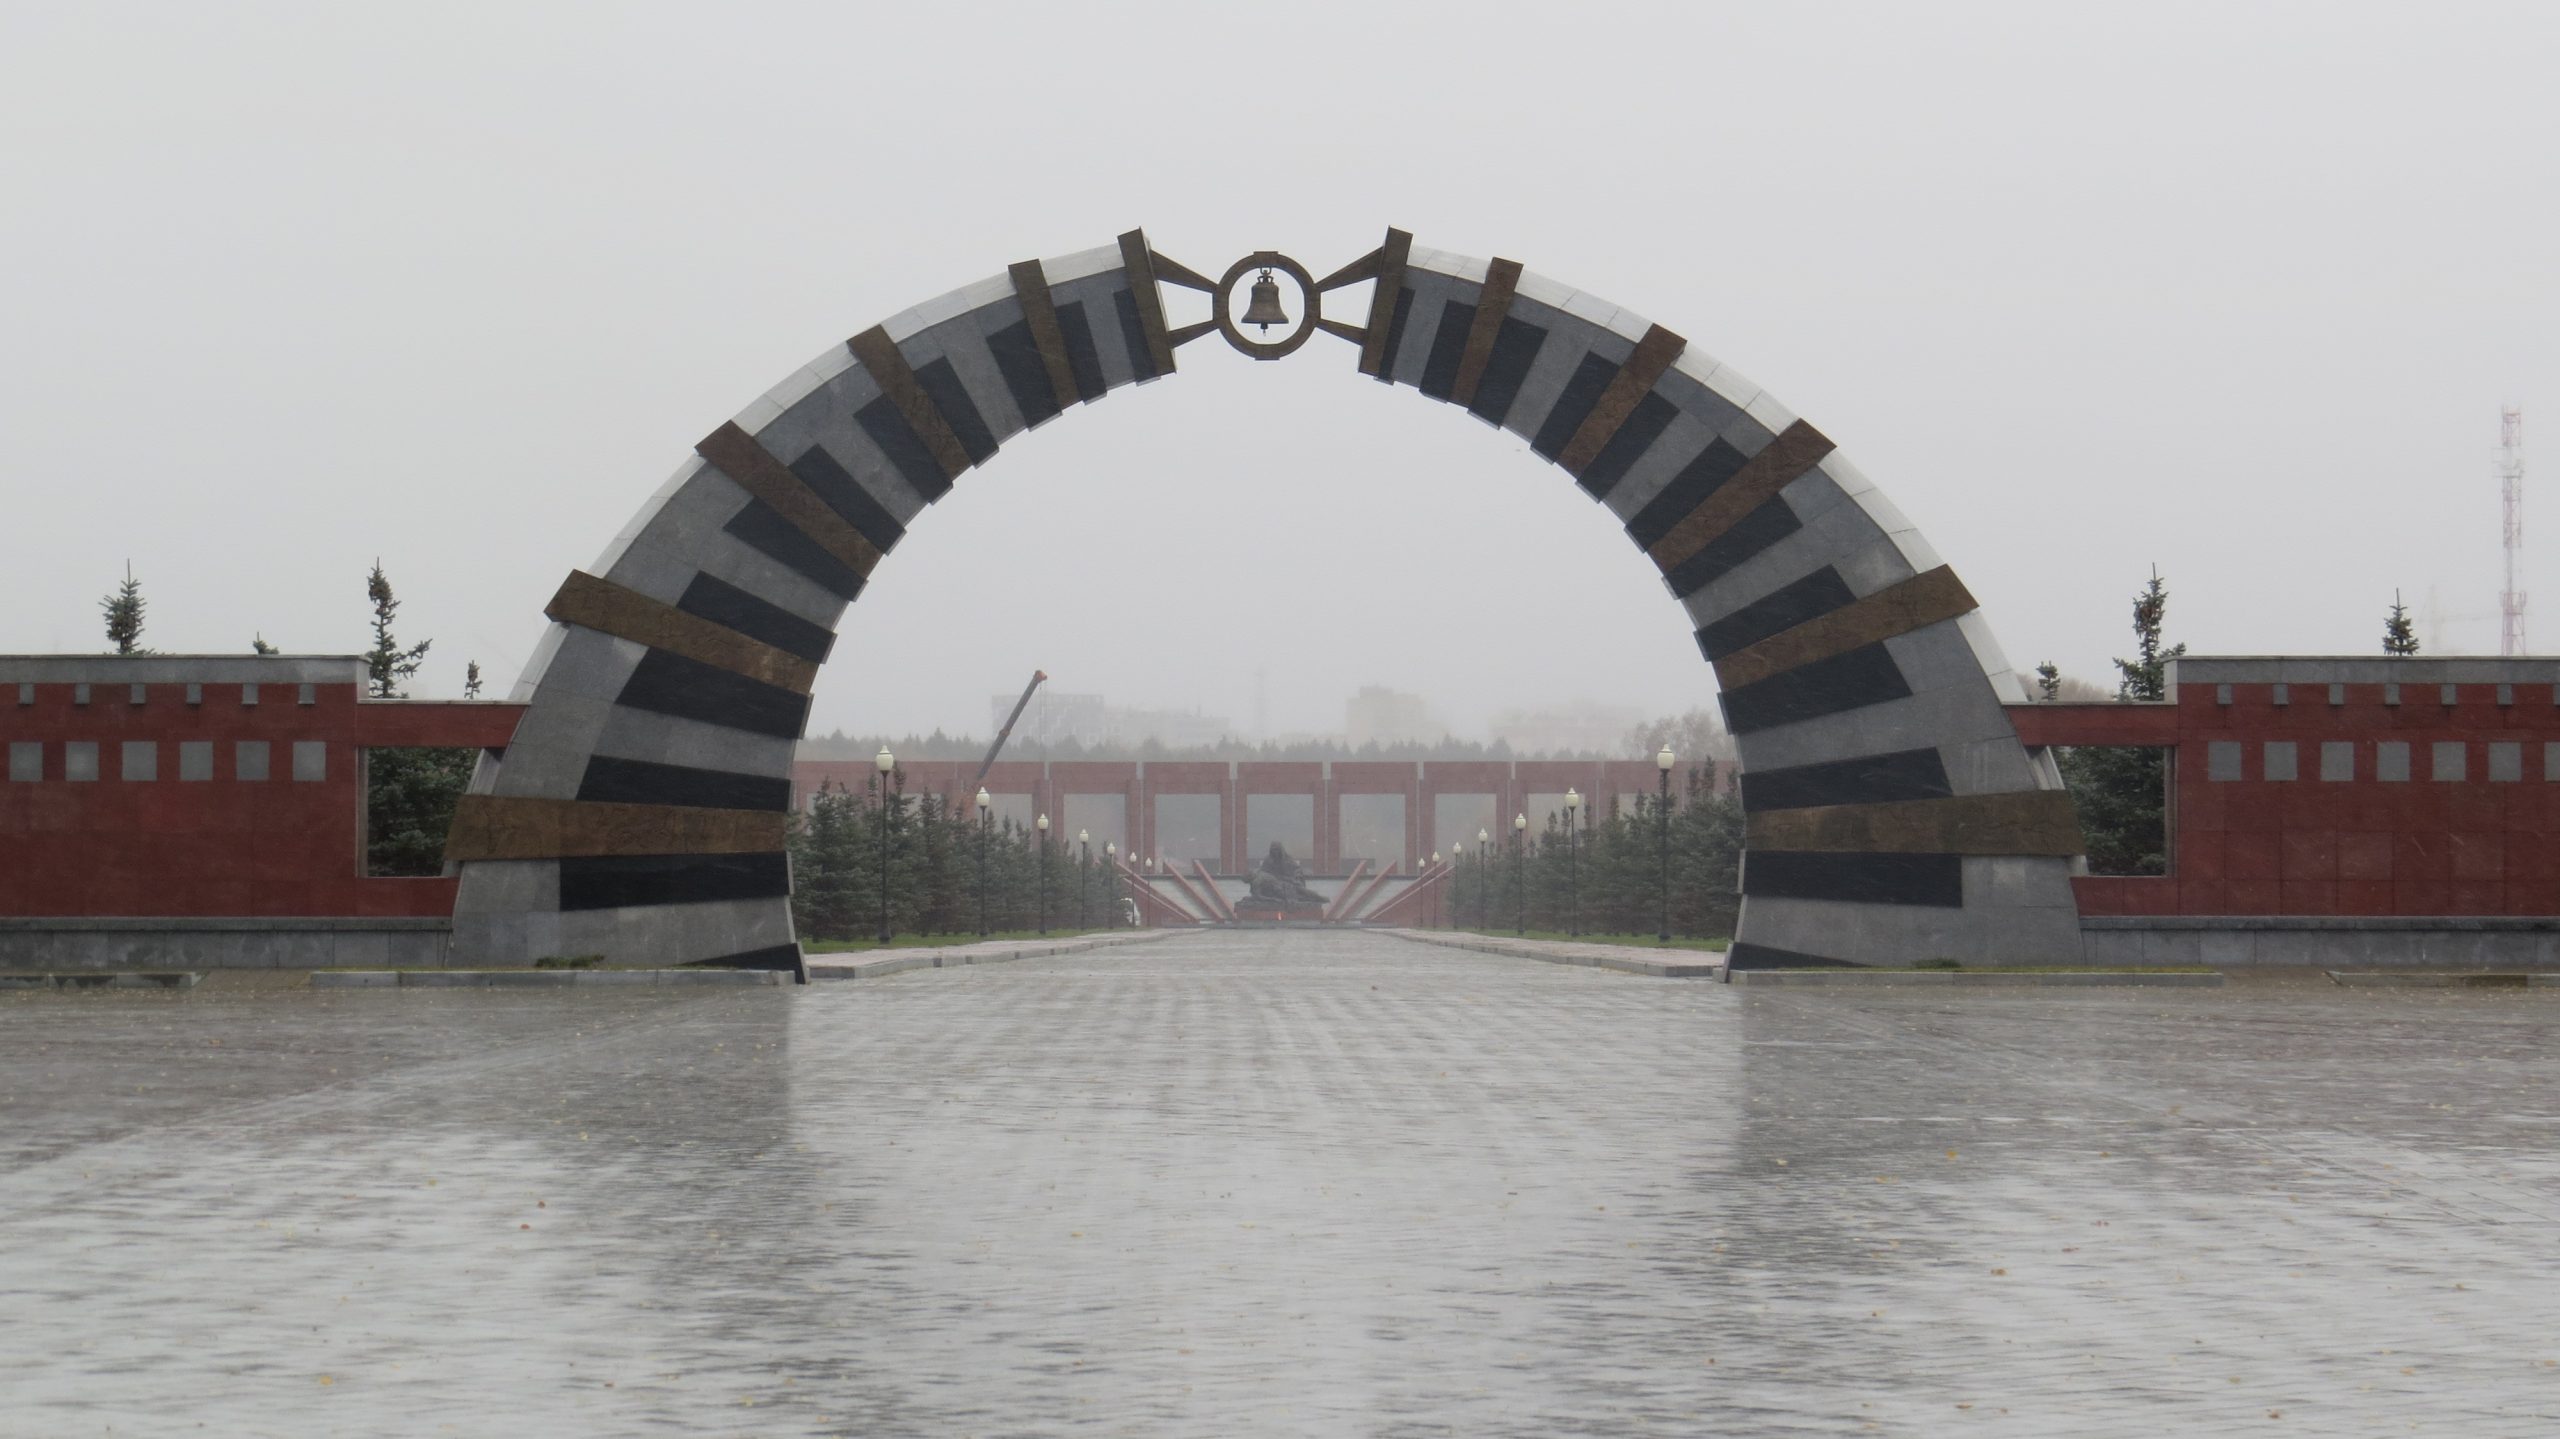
1279, 1184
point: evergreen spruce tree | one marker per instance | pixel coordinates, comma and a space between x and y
2399, 637
124, 611
2121, 792
2048, 682
471, 680
387, 665
258, 645
409, 793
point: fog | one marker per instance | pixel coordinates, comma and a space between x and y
2233, 290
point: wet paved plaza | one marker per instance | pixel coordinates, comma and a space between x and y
1263, 1184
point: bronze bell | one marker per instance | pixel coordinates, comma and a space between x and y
1265, 308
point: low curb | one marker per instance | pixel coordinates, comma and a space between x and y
2089, 979
1620, 958
540, 978
2378, 979
1002, 951
106, 979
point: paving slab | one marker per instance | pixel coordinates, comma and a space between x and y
1653, 963
1977, 978
873, 964
1276, 1183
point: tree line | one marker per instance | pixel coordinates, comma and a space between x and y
409, 793
1609, 880
935, 849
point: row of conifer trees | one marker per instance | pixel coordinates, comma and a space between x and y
1610, 879
935, 850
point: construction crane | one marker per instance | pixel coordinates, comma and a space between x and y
1037, 676
2510, 470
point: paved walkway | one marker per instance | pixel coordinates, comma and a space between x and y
1272, 1183
1663, 963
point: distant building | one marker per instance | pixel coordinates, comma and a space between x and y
1378, 715
1582, 728
1088, 719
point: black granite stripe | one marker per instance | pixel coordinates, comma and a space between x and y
1082, 356
887, 426
1688, 489
1645, 424
1026, 375
1754, 532
1854, 680
1395, 335
763, 528
612, 780
1762, 956
723, 603
1142, 360
670, 684
776, 956
1581, 394
1933, 880
632, 881
844, 494
1869, 779
941, 384
1448, 350
1515, 349
1780, 610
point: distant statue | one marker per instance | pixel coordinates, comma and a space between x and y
1281, 880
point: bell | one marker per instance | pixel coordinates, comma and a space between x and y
1265, 308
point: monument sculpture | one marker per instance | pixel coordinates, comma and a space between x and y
642, 808
1279, 883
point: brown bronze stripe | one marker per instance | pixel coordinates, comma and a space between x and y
1653, 355
488, 826
1797, 448
1040, 313
736, 454
1923, 599
1501, 278
2025, 822
1392, 257
611, 609
887, 366
1138, 262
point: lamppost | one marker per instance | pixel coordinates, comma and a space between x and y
1519, 883
1662, 823
1111, 892
1435, 864
1042, 824
1484, 880
887, 764
1572, 882
1084, 863
986, 829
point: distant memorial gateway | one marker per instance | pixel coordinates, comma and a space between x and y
1893, 814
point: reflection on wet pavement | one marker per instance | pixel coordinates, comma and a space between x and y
1262, 1183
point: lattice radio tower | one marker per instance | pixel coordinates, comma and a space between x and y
2510, 467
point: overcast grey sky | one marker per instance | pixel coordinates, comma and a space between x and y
2234, 289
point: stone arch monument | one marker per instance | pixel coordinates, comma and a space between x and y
1892, 814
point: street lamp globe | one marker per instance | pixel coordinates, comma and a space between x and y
1572, 801
1482, 837
884, 761
1519, 822
984, 799
1041, 824
1084, 836
1435, 856
1663, 760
